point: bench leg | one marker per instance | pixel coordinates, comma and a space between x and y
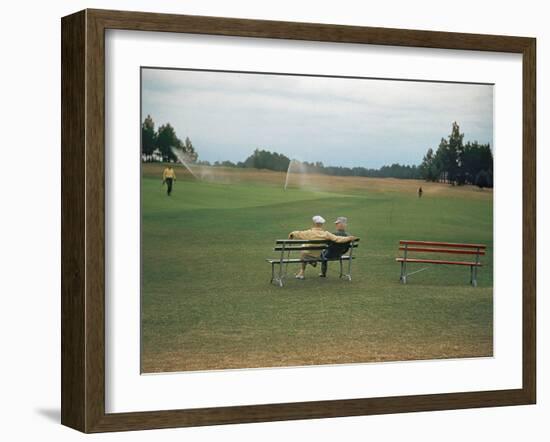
474, 276
276, 278
278, 281
280, 277
346, 275
403, 276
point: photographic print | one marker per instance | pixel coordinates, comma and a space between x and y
297, 220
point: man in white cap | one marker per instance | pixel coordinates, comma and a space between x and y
317, 231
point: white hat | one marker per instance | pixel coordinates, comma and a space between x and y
318, 219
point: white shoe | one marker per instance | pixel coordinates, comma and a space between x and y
300, 277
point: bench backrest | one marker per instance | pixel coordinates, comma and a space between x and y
408, 246
288, 245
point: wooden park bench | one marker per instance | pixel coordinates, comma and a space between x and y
286, 246
427, 249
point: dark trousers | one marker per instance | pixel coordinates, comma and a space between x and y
169, 182
324, 267
329, 253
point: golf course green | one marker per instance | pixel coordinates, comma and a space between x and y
206, 300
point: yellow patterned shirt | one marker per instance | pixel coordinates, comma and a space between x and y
317, 233
168, 173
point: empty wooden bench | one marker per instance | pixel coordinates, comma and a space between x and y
422, 252
285, 247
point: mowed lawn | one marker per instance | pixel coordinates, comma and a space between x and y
206, 298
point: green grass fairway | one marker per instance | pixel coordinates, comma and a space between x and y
206, 298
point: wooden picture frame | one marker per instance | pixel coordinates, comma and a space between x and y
83, 220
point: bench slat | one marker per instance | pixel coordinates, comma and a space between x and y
301, 241
300, 248
297, 260
306, 241
440, 250
438, 261
443, 244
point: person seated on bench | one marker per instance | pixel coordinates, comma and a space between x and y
335, 250
317, 231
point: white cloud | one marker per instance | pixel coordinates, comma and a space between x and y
335, 120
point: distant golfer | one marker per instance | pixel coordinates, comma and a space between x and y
168, 178
317, 231
335, 250
420, 192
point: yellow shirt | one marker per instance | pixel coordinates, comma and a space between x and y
317, 233
168, 173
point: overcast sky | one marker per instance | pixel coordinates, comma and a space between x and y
341, 122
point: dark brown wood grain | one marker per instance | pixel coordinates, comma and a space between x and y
73, 217
83, 219
529, 220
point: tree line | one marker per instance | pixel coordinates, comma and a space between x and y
454, 161
395, 170
264, 159
157, 145
457, 163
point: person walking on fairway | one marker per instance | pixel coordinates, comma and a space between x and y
168, 178
317, 231
420, 192
335, 250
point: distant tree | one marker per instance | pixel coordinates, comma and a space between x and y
479, 164
447, 156
166, 140
486, 160
428, 168
471, 159
482, 179
148, 139
225, 163
443, 161
455, 150
189, 150
457, 163
263, 159
158, 145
